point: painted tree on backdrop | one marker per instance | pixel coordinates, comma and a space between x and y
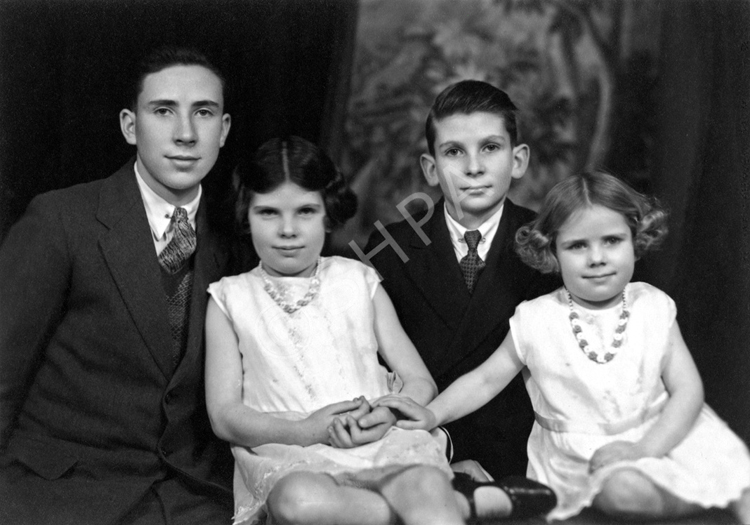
579, 70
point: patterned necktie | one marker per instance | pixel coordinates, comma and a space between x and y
472, 263
182, 245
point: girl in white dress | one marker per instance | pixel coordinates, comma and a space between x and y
620, 420
292, 365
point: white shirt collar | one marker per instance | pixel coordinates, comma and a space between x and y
488, 229
159, 211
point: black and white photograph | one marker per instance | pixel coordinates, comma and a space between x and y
367, 262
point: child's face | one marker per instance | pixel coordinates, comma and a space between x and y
596, 256
178, 127
288, 229
474, 164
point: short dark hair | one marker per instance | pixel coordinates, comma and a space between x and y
162, 58
535, 241
296, 160
471, 96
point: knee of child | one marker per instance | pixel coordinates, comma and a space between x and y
424, 481
292, 498
628, 493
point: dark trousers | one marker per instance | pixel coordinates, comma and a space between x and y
27, 498
172, 502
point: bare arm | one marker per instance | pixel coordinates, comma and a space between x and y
402, 357
683, 382
685, 388
475, 389
399, 352
466, 394
237, 423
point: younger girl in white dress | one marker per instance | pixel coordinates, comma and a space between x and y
620, 420
292, 365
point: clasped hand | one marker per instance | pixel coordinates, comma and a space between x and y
351, 423
411, 415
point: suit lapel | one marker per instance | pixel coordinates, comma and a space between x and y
492, 292
493, 287
129, 252
210, 260
435, 270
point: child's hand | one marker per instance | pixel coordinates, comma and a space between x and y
375, 424
317, 423
347, 433
361, 426
343, 431
340, 432
614, 452
364, 408
416, 416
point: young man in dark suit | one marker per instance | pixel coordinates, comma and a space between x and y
452, 273
103, 287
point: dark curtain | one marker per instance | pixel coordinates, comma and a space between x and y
63, 65
702, 172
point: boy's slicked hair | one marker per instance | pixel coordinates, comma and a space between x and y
536, 241
471, 96
162, 58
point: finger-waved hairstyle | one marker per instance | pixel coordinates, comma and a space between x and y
296, 160
536, 241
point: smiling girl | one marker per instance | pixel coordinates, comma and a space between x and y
620, 419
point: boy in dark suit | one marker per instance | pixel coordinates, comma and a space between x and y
452, 273
103, 287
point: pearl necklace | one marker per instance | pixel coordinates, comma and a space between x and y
312, 291
622, 324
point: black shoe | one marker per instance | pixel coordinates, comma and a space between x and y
529, 498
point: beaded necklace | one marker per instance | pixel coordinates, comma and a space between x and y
622, 324
289, 308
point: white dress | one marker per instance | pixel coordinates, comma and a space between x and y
294, 364
581, 405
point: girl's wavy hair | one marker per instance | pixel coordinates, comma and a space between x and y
296, 160
535, 241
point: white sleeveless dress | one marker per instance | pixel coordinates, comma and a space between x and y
581, 405
294, 364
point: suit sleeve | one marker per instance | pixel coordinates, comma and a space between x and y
379, 259
34, 276
375, 238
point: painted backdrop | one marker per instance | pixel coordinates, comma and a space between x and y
579, 71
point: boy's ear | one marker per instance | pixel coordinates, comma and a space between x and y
429, 169
520, 161
127, 125
226, 123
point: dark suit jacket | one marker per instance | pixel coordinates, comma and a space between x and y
90, 406
455, 331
